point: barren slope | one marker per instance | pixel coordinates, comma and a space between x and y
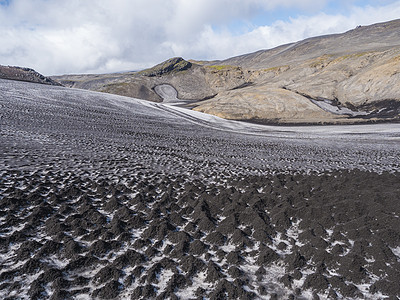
342, 78
363, 38
359, 87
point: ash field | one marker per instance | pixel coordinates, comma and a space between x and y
109, 197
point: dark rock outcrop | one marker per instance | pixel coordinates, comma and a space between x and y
25, 74
172, 65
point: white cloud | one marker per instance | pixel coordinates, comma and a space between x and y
224, 44
73, 36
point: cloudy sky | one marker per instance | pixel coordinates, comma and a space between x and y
99, 36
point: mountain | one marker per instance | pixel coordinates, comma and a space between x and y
360, 39
25, 74
351, 77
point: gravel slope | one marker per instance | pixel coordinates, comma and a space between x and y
110, 197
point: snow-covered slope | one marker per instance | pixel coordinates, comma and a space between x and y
112, 197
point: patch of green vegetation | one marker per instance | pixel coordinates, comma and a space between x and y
276, 69
361, 54
396, 58
321, 61
271, 69
353, 55
221, 67
198, 62
317, 63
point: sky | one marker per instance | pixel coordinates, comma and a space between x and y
57, 37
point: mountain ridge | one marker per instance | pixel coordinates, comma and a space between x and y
388, 29
340, 78
25, 74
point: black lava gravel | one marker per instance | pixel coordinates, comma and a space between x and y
105, 198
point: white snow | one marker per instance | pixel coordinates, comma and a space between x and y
328, 106
198, 281
294, 231
396, 251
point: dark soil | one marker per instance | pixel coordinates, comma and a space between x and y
355, 211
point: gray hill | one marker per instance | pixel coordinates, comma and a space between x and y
351, 77
363, 38
25, 74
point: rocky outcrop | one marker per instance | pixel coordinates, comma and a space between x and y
173, 65
25, 74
